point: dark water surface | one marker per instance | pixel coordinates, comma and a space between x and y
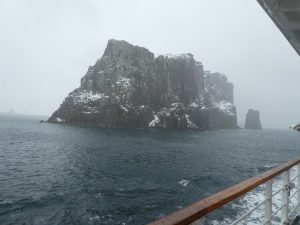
55, 174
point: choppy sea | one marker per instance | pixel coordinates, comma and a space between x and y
59, 174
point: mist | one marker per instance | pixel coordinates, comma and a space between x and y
47, 46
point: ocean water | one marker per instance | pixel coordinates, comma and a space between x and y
59, 174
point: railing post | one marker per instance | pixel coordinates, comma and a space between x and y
199, 222
268, 203
298, 192
285, 197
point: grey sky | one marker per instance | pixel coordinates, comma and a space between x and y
46, 46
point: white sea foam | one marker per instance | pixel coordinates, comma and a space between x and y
184, 183
270, 165
94, 218
3, 202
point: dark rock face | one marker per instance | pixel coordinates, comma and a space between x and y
129, 87
252, 120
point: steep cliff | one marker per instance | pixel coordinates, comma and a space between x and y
129, 87
252, 119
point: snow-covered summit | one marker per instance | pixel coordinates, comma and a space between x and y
178, 56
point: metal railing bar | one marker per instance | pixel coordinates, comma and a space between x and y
277, 192
295, 192
285, 195
295, 178
277, 210
293, 209
249, 212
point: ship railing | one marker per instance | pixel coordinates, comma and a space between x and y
195, 213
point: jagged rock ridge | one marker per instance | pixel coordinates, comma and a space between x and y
252, 119
129, 87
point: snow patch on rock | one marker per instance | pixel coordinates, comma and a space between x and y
194, 105
124, 82
124, 108
225, 107
178, 56
84, 97
154, 122
190, 123
59, 120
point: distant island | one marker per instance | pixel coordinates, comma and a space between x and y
253, 120
129, 87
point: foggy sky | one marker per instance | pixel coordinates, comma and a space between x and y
46, 46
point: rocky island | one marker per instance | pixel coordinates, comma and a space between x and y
252, 119
129, 87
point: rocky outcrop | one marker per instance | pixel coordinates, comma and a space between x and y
252, 120
129, 87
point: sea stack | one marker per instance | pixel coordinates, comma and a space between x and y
130, 87
252, 119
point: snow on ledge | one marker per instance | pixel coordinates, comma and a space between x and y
86, 96
178, 56
190, 123
123, 108
59, 120
124, 82
154, 121
225, 107
194, 105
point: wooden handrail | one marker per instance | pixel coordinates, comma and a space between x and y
200, 208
